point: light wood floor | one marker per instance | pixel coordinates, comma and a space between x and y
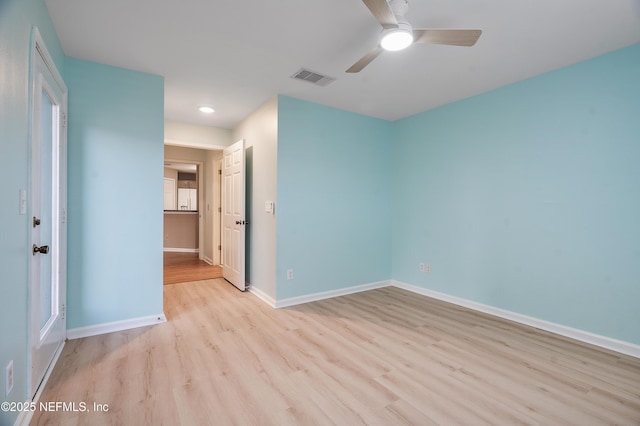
187, 267
382, 357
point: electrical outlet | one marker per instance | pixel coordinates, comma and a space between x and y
428, 268
421, 267
8, 382
289, 274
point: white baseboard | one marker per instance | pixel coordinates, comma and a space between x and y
573, 333
208, 260
329, 294
181, 250
263, 296
25, 416
110, 327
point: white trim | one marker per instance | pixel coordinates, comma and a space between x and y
329, 294
25, 416
262, 296
562, 330
110, 327
38, 43
208, 260
181, 250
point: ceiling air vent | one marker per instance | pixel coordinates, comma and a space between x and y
312, 77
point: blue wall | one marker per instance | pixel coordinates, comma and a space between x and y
115, 196
16, 20
333, 213
527, 198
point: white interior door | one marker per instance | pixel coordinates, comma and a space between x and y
233, 214
48, 216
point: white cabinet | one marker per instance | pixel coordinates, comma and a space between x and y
169, 194
187, 199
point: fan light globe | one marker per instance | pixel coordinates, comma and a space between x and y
206, 109
396, 39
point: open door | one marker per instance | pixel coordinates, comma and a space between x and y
233, 214
47, 259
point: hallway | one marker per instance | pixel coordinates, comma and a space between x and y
186, 267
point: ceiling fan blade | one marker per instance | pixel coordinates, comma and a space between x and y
451, 37
365, 60
382, 12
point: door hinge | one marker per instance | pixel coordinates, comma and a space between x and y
219, 209
220, 171
64, 120
63, 311
219, 247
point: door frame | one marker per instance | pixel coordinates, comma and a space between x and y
217, 213
214, 235
38, 48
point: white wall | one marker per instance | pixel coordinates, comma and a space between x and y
195, 136
184, 154
260, 132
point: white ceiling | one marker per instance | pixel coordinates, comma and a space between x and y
234, 55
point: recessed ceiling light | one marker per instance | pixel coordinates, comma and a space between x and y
206, 109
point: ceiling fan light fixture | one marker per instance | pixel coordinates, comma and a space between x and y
397, 32
206, 109
396, 39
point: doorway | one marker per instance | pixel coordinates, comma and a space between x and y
195, 216
183, 215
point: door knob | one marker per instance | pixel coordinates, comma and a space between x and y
41, 249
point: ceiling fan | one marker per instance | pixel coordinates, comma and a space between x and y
397, 32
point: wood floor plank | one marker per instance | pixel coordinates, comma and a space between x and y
382, 357
400, 412
187, 267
